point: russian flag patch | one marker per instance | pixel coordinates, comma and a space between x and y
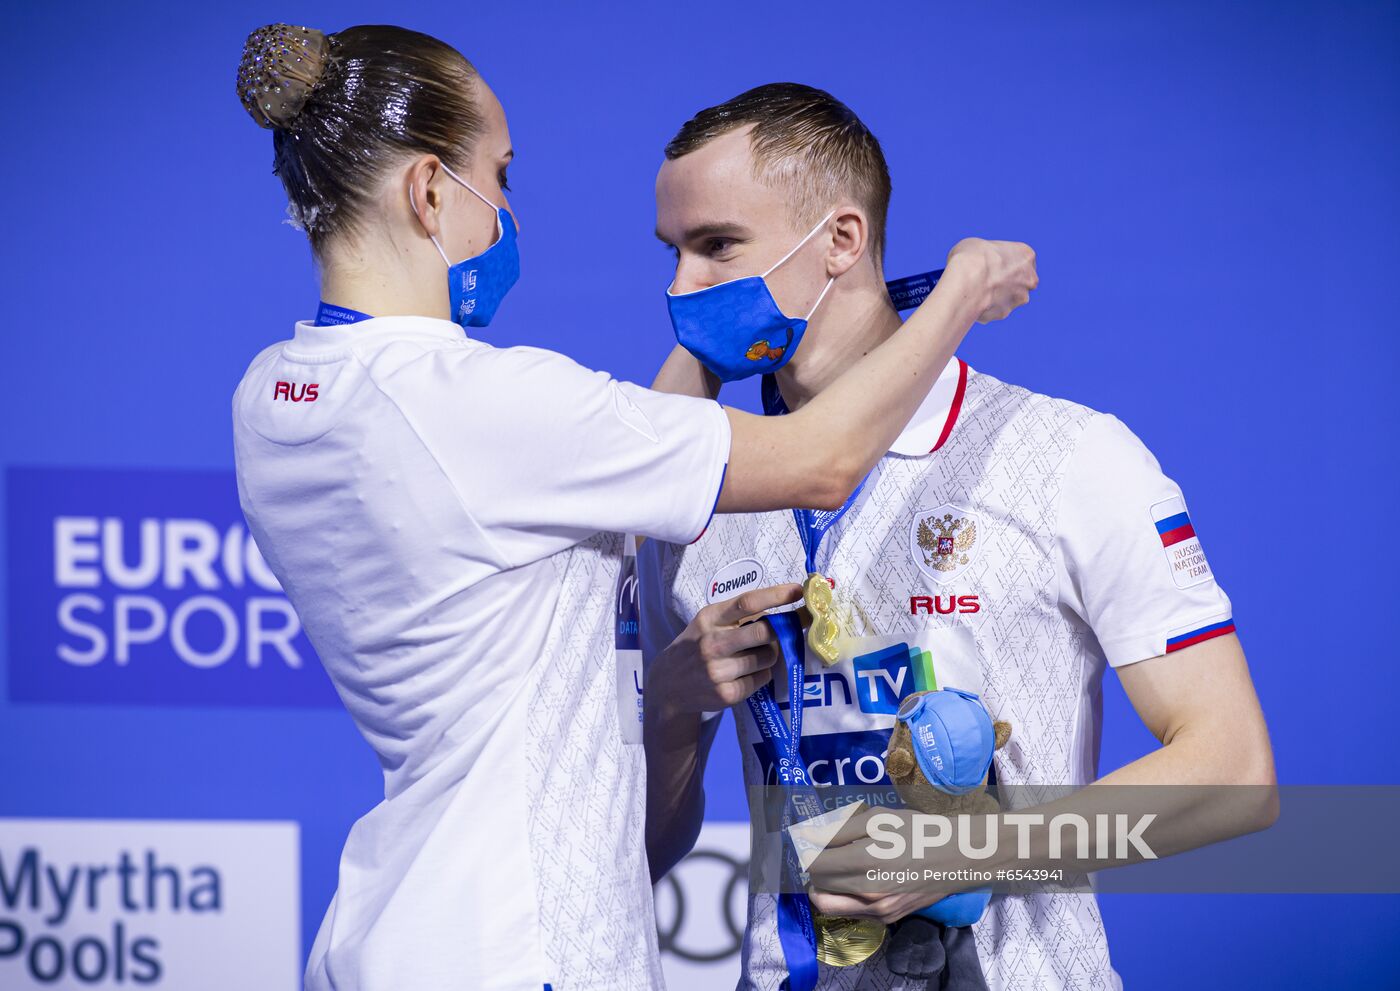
1185, 557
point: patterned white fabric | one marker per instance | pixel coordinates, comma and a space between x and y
1006, 570
446, 518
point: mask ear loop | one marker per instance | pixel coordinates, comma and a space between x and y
820, 224
829, 283
500, 224
413, 202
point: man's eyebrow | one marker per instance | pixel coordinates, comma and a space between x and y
723, 228
509, 155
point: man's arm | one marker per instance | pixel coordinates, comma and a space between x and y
677, 749
720, 659
1133, 570
1201, 705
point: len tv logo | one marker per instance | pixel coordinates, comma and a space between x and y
139, 586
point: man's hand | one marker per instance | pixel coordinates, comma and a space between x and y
723, 657
720, 659
838, 885
1007, 271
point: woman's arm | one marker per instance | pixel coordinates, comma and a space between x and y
815, 457
683, 375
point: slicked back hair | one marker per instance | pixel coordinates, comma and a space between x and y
806, 142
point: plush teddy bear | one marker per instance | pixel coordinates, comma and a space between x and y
939, 754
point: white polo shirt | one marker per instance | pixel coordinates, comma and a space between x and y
446, 517
1025, 542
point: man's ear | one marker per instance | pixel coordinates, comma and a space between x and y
850, 239
423, 181
1002, 731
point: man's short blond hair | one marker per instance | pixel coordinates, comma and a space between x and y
806, 142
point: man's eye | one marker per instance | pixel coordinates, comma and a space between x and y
718, 246
501, 178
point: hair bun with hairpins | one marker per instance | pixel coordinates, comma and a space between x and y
281, 65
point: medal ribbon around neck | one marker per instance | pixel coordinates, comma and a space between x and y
805, 938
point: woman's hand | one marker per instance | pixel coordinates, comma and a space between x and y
1006, 269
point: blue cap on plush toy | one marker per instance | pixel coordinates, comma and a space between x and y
952, 736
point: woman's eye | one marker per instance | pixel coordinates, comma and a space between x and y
501, 178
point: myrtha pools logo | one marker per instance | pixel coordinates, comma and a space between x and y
148, 904
139, 586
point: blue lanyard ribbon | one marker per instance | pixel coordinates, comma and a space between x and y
910, 291
329, 316
812, 524
796, 931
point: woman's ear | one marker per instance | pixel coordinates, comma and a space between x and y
424, 199
850, 239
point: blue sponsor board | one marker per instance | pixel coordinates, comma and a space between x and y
140, 586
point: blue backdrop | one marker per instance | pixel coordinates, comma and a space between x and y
1211, 189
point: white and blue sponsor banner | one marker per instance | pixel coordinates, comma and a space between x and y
122, 903
701, 910
144, 587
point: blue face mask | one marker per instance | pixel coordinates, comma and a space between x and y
476, 286
736, 328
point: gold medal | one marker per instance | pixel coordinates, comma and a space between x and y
825, 630
844, 941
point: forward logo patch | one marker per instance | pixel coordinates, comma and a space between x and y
734, 579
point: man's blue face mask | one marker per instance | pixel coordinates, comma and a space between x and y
736, 328
477, 285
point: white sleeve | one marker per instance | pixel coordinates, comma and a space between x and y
1131, 565
544, 453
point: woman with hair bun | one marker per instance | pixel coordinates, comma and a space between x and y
447, 517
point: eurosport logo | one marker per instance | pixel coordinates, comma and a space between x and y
145, 587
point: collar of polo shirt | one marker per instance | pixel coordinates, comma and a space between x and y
936, 415
311, 339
